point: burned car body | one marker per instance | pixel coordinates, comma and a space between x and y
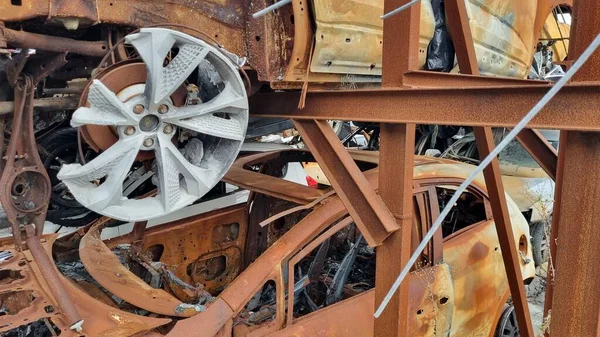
213, 58
216, 268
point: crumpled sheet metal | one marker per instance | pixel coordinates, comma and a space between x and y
223, 21
104, 266
99, 319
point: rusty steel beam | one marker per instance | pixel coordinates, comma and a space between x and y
584, 28
400, 56
576, 294
575, 290
364, 205
434, 79
512, 262
465, 52
459, 30
396, 174
540, 149
573, 108
552, 240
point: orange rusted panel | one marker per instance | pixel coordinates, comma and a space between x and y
99, 319
222, 20
206, 249
106, 269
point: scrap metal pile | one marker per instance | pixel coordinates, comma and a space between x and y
133, 201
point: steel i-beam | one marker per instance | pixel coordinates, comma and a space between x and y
465, 52
366, 208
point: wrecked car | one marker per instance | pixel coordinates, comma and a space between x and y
277, 265
167, 105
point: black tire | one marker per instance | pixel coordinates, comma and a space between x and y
539, 245
507, 325
63, 209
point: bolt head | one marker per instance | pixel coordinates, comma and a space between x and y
130, 130
148, 142
138, 108
163, 109
168, 128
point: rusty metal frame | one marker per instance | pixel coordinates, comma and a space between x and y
465, 52
373, 218
412, 97
421, 102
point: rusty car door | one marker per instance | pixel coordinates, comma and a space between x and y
351, 314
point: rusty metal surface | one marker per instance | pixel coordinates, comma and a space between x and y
367, 209
44, 104
396, 169
23, 39
540, 149
206, 249
86, 11
99, 318
358, 310
223, 20
554, 231
429, 79
240, 175
51, 276
575, 300
104, 266
504, 228
270, 40
465, 53
482, 269
25, 184
572, 108
349, 36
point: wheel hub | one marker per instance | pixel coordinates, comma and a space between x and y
143, 117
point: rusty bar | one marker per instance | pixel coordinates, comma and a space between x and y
510, 253
23, 39
458, 27
573, 109
396, 174
465, 51
364, 205
573, 280
46, 104
540, 149
584, 28
576, 294
46, 266
434, 79
552, 240
401, 52
400, 56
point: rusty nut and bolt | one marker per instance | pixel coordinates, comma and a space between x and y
163, 109
130, 130
138, 108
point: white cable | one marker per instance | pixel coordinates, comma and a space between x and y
399, 9
511, 135
271, 8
